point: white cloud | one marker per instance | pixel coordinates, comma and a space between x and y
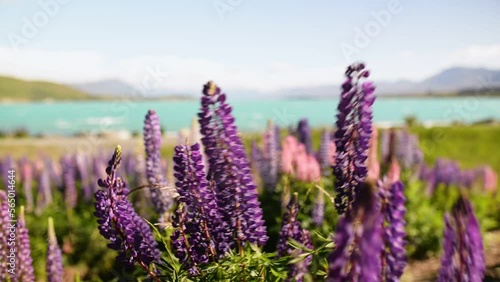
416, 66
65, 66
476, 56
187, 74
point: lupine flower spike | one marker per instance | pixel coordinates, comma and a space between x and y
229, 168
54, 266
27, 173
393, 211
152, 144
44, 191
326, 153
266, 160
68, 171
357, 241
126, 231
25, 271
269, 172
318, 211
200, 235
304, 135
4, 221
463, 253
352, 138
392, 207
291, 229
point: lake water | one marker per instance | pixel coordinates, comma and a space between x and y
72, 117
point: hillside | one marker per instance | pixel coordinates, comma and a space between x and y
13, 89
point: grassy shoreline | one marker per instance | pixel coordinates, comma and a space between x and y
470, 145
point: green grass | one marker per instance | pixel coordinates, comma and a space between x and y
13, 89
471, 146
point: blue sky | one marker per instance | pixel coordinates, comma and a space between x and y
246, 44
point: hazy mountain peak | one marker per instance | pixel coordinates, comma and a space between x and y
105, 87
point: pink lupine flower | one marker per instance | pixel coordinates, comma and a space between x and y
490, 179
394, 171
373, 163
289, 147
314, 169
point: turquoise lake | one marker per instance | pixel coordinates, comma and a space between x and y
71, 117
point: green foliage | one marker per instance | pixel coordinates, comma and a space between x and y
86, 256
424, 222
84, 249
425, 213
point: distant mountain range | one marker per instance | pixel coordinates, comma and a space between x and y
115, 88
108, 87
451, 80
457, 80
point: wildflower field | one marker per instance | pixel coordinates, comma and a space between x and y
345, 203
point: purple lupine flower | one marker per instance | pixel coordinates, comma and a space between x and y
447, 172
129, 165
98, 171
8, 164
68, 173
463, 256
466, 178
426, 174
44, 192
55, 172
4, 220
82, 168
392, 207
182, 246
266, 160
27, 179
403, 149
54, 265
353, 135
394, 213
228, 166
24, 271
256, 156
277, 134
417, 154
126, 231
298, 271
357, 240
152, 143
407, 150
326, 153
318, 212
291, 229
200, 233
338, 260
304, 135
271, 154
446, 273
